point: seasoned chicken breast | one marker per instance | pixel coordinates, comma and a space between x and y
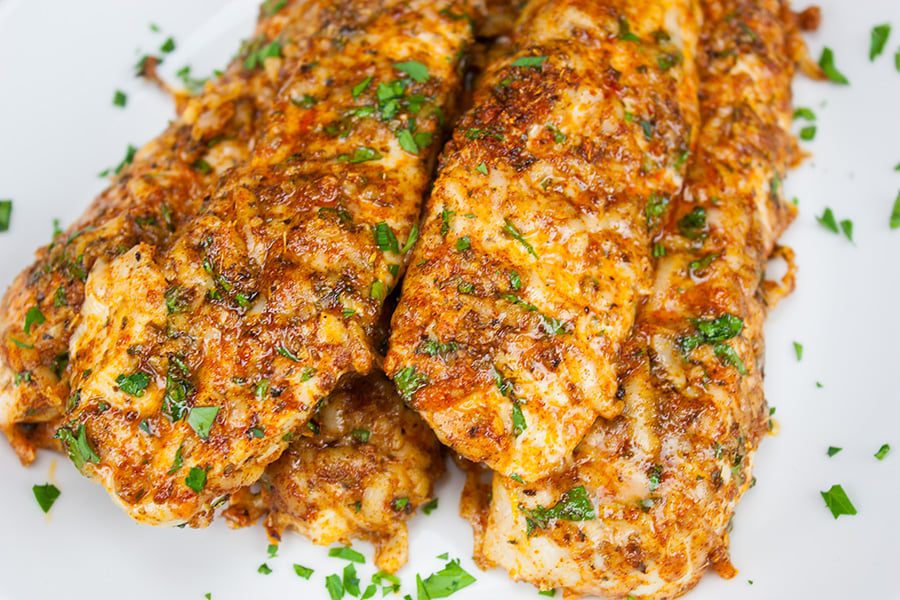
155, 190
534, 246
193, 364
364, 466
642, 507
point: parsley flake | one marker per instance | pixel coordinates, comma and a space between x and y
360, 87
34, 316
430, 507
804, 113
445, 582
347, 553
511, 230
837, 501
304, 572
46, 495
77, 446
409, 382
134, 384
120, 99
201, 419
882, 452
534, 62
5, 212
414, 69
895, 213
574, 505
828, 221
482, 168
798, 350
832, 450
168, 46
196, 479
880, 34
826, 61
463, 243
808, 133
360, 155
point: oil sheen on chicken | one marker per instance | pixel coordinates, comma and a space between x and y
534, 247
643, 506
191, 364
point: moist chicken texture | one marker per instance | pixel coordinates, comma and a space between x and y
642, 507
166, 183
191, 364
534, 243
364, 466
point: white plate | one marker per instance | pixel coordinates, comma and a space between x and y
60, 63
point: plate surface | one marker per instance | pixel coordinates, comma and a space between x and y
60, 63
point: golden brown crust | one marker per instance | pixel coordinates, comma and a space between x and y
363, 468
271, 294
660, 482
534, 244
166, 183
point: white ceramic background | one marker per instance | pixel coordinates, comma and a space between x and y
60, 63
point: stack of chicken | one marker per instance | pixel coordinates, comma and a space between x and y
581, 319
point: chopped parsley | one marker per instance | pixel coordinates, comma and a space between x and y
129, 158
837, 501
259, 52
625, 31
351, 581
361, 435
270, 7
34, 316
847, 228
431, 347
558, 136
385, 239
347, 553
409, 382
414, 69
518, 419
399, 504
895, 213
659, 251
264, 569
304, 572
430, 507
880, 34
463, 243
882, 452
549, 593
828, 221
77, 446
288, 354
727, 355
832, 450
656, 207
196, 479
178, 462
201, 419
445, 582
411, 240
693, 224
574, 505
713, 331
134, 384
168, 46
360, 87
360, 155
808, 133
5, 213
446, 215
45, 495
826, 61
535, 62
120, 99
798, 350
378, 291
482, 168
517, 478
511, 230
335, 587
804, 113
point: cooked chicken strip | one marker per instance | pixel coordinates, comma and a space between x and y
367, 464
166, 183
643, 506
534, 248
192, 365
